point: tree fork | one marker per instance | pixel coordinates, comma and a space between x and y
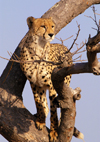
66, 101
12, 110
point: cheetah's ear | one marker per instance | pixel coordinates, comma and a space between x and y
51, 18
30, 21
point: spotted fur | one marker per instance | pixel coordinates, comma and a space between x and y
37, 62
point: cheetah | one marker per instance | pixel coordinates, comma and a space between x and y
37, 63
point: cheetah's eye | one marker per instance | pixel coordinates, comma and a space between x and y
43, 26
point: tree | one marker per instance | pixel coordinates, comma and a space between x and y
11, 91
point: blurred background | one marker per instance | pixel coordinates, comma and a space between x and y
13, 27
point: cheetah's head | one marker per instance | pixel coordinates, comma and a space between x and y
44, 28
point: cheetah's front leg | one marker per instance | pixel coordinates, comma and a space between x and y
41, 105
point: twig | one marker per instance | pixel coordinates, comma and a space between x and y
74, 39
94, 19
64, 39
15, 56
42, 60
77, 58
81, 51
68, 38
93, 8
75, 52
9, 53
97, 13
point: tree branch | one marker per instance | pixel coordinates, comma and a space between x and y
66, 101
67, 10
16, 123
92, 66
66, 95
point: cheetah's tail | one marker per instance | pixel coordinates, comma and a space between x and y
78, 134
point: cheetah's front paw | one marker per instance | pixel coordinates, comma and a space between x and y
53, 136
39, 125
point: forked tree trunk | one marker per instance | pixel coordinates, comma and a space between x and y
16, 123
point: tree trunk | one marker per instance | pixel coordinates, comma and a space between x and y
16, 123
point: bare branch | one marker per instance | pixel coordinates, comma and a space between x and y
64, 39
38, 61
75, 52
22, 127
94, 19
97, 13
74, 40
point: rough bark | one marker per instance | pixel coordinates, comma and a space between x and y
66, 96
16, 123
67, 10
66, 101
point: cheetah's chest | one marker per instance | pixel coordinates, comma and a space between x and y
36, 67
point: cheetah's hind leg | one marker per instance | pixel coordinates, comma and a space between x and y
41, 105
53, 136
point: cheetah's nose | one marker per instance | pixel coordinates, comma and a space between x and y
51, 35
